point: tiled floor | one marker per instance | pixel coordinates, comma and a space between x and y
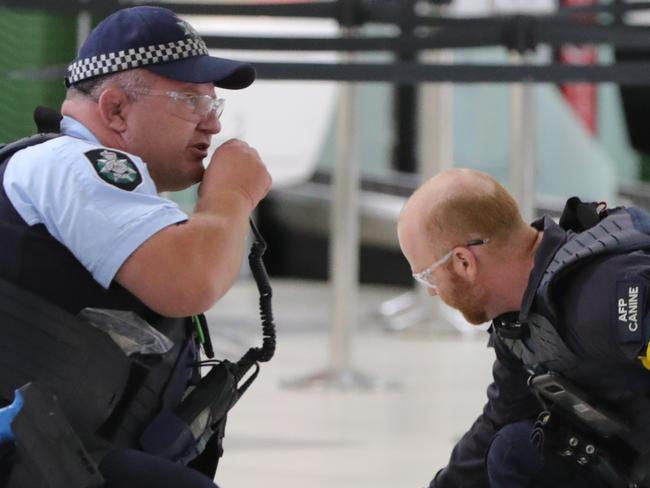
393, 436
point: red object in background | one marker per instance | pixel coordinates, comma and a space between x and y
581, 96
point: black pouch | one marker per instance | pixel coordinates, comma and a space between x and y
574, 451
48, 452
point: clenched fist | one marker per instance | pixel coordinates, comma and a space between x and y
236, 166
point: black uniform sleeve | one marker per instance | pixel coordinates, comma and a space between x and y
509, 400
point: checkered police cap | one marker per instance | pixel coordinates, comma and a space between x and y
156, 39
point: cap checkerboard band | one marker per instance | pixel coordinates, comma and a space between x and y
135, 58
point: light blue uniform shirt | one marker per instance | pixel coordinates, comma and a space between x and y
56, 184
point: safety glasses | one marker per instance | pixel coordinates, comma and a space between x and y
188, 106
426, 276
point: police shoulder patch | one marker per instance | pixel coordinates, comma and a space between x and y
115, 168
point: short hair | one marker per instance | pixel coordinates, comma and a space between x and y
481, 209
131, 80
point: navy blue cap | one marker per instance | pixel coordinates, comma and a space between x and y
156, 39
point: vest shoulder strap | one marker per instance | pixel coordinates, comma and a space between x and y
623, 230
550, 351
8, 150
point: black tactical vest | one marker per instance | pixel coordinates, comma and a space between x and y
541, 348
35, 260
103, 393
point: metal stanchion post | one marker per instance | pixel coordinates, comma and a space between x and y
344, 222
84, 26
436, 155
344, 259
417, 309
522, 144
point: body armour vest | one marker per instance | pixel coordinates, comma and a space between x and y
36, 261
541, 348
128, 392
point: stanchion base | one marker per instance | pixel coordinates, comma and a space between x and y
342, 380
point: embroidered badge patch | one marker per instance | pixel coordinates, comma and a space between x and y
188, 30
115, 168
630, 311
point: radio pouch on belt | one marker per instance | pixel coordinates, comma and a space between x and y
193, 432
581, 432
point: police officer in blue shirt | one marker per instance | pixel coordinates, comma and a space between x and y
568, 303
82, 223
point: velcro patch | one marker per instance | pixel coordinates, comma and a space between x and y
115, 168
630, 312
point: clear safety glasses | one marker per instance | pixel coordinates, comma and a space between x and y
426, 276
188, 106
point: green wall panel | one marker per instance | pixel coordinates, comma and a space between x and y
30, 42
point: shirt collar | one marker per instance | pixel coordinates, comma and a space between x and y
73, 128
553, 238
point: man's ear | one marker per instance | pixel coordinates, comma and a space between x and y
465, 263
112, 105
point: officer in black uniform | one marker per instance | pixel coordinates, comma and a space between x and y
82, 226
568, 404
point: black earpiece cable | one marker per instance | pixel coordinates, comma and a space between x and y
258, 270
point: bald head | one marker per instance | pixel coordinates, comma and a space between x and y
439, 219
459, 205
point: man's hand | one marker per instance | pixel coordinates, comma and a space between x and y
235, 166
184, 269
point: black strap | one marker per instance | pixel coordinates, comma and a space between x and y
10, 149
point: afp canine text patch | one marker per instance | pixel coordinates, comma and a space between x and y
115, 168
630, 311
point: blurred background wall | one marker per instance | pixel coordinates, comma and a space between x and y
31, 43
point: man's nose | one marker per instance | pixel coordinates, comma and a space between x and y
210, 123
